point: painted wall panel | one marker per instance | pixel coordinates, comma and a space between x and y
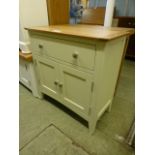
31, 13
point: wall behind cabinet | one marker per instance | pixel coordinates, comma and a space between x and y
121, 10
31, 13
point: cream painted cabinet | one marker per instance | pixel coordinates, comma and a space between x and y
24, 73
79, 74
27, 75
78, 66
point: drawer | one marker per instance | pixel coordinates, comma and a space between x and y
79, 54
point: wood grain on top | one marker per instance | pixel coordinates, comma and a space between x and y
85, 31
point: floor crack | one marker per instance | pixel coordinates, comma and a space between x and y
73, 142
35, 136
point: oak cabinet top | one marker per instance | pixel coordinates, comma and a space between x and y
85, 31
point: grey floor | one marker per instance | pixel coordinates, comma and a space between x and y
46, 128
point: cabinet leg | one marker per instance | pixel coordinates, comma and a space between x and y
92, 126
110, 105
109, 108
40, 96
37, 93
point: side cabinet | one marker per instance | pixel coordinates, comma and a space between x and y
24, 73
27, 75
79, 73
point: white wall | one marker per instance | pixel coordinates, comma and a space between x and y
31, 13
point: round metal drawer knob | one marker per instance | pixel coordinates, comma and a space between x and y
56, 82
60, 85
40, 46
75, 55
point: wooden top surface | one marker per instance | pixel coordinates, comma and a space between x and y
27, 57
85, 31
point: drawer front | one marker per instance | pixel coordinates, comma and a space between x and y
79, 54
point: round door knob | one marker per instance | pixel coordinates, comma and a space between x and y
40, 46
56, 82
60, 85
75, 55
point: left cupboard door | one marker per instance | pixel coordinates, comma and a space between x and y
48, 73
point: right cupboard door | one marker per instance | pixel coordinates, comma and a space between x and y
76, 90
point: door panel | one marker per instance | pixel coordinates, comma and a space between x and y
48, 71
76, 91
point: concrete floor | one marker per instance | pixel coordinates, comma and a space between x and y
47, 128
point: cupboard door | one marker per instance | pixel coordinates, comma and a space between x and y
48, 71
76, 90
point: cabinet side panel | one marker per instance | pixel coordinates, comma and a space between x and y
108, 60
